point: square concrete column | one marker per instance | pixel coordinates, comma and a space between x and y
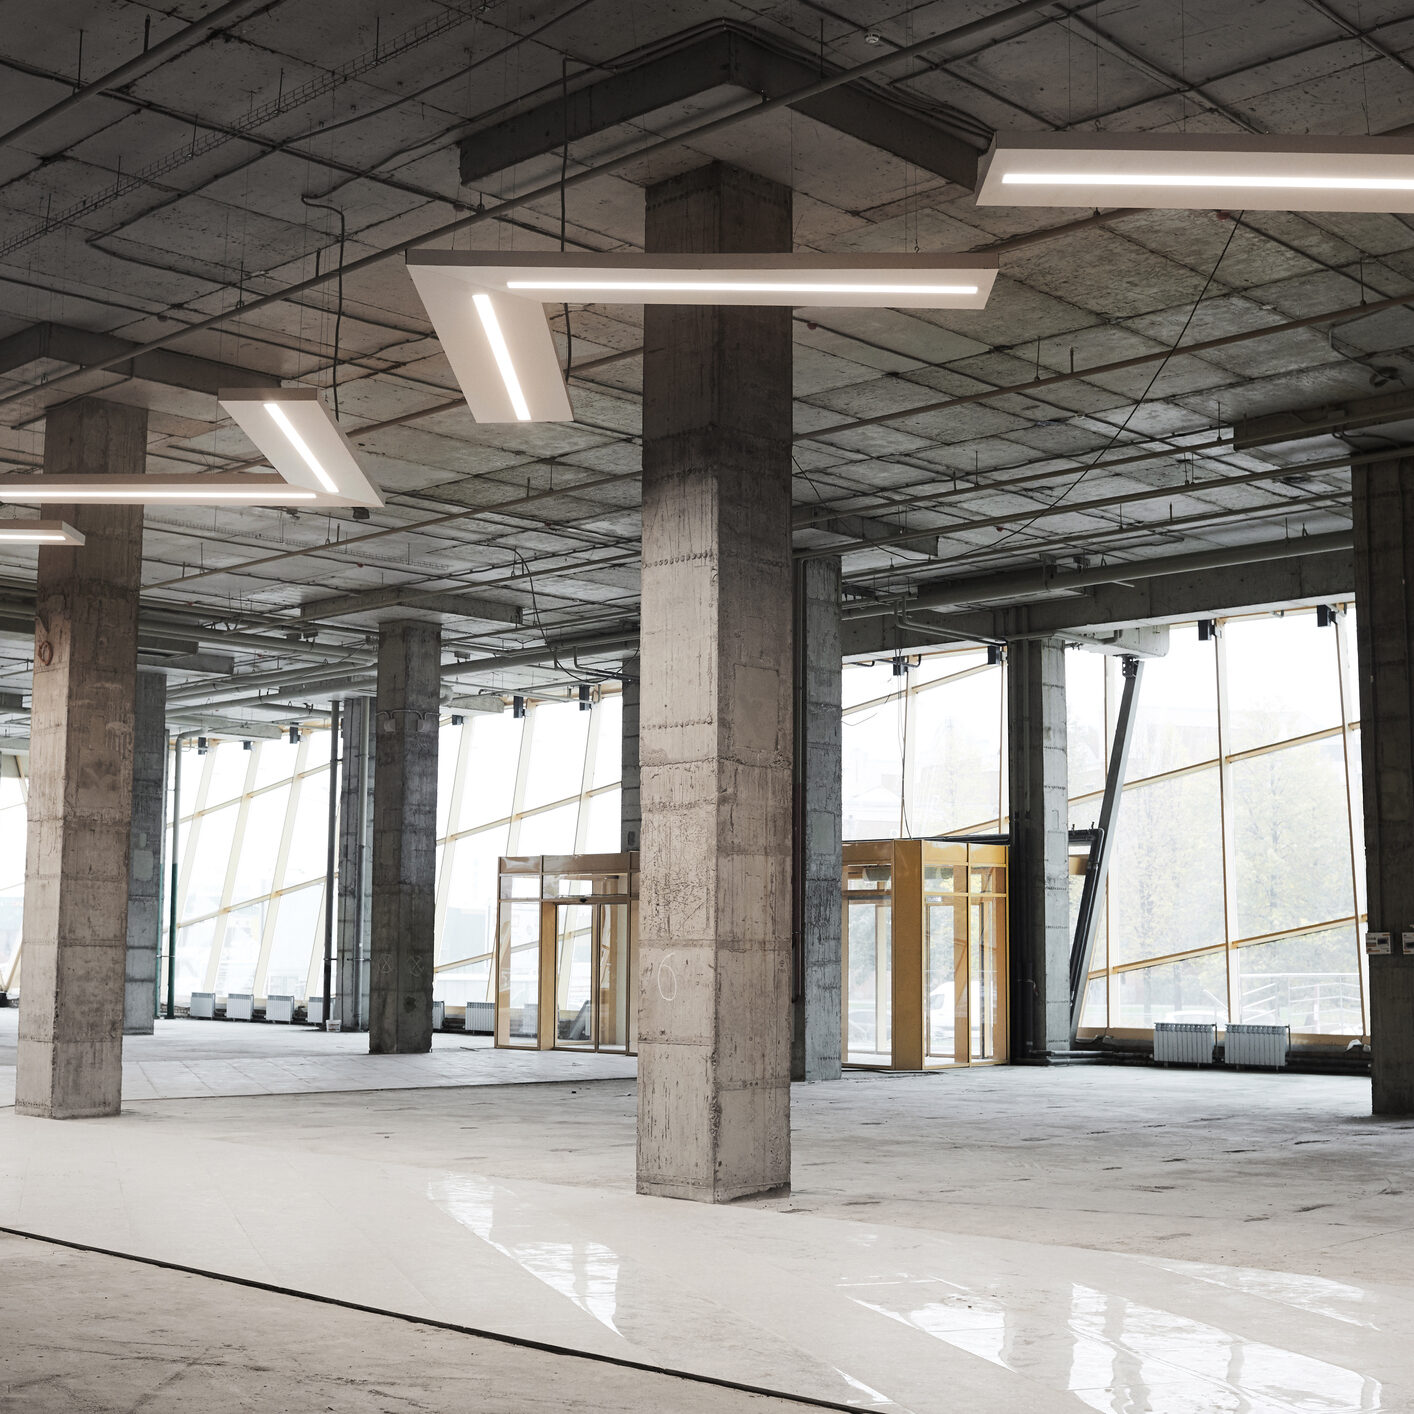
1383, 497
404, 837
816, 994
149, 834
1040, 849
355, 886
70, 1062
630, 803
715, 712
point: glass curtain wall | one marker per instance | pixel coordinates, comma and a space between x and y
1236, 887
250, 893
1236, 890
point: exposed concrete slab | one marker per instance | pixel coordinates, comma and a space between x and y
714, 1016
81, 778
149, 837
404, 838
1038, 876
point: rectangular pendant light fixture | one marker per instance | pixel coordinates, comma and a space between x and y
315, 465
218, 489
295, 433
39, 532
488, 307
1199, 171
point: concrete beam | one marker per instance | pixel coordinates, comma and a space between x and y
439, 601
1274, 584
1326, 419
86, 347
731, 56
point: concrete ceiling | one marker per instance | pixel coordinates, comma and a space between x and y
925, 451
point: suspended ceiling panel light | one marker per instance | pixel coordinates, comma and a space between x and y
216, 490
316, 465
1204, 171
297, 436
488, 308
39, 532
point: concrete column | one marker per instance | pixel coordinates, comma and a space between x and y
1039, 856
715, 719
354, 902
149, 836
816, 1021
631, 807
70, 1061
1383, 503
404, 837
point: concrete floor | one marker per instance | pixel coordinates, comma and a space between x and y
186, 1059
1126, 1240
85, 1333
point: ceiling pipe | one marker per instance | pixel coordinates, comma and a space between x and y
144, 63
324, 688
1043, 583
554, 188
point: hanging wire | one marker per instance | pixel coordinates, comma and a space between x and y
1143, 397
564, 172
339, 312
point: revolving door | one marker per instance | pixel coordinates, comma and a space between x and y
924, 953
564, 952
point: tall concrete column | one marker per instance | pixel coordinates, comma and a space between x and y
816, 1037
354, 901
1383, 497
81, 778
715, 717
1039, 856
630, 807
149, 835
404, 837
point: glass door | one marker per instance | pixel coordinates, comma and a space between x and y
518, 973
574, 974
614, 975
868, 959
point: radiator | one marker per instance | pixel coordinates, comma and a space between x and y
314, 1011
480, 1017
202, 1005
439, 1015
1184, 1043
1257, 1045
279, 1008
240, 1006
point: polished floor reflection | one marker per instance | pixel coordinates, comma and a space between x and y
1129, 1242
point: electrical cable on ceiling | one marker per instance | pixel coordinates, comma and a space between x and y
339, 315
1148, 388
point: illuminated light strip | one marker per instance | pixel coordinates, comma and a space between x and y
1175, 179
259, 495
736, 288
502, 355
299, 444
31, 537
